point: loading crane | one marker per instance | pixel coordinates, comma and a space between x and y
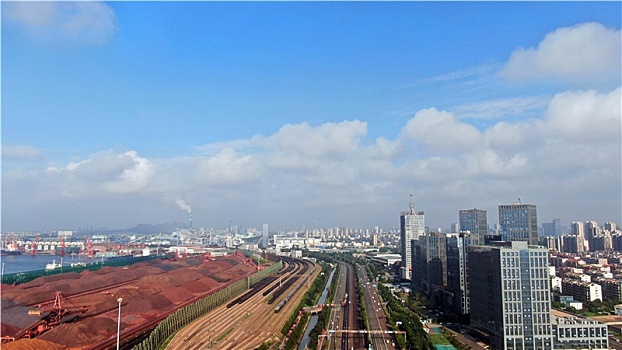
90, 252
62, 245
33, 246
51, 313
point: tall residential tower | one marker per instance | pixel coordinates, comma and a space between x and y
412, 225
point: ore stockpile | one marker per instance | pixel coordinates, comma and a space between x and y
150, 291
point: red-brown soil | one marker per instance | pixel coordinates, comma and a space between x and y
149, 289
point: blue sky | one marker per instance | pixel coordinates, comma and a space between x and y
293, 112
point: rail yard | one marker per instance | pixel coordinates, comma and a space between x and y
254, 318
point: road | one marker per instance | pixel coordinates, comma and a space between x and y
376, 317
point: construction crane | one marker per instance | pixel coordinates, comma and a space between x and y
51, 313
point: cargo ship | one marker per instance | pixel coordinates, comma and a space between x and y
5, 252
10, 249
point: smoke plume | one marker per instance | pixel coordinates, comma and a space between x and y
183, 206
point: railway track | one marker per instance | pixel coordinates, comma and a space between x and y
243, 326
288, 269
345, 320
352, 318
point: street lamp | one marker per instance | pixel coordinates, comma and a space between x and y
120, 300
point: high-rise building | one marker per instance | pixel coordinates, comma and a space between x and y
455, 227
264, 236
591, 230
412, 225
578, 229
476, 222
509, 292
436, 258
553, 228
548, 229
557, 223
457, 271
610, 226
569, 244
429, 256
419, 272
519, 222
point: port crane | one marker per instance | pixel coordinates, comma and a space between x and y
90, 252
62, 245
33, 246
51, 313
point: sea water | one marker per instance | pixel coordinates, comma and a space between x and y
26, 262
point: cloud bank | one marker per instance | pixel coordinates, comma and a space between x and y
303, 171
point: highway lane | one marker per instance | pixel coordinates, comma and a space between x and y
376, 317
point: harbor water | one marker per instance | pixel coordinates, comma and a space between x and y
26, 262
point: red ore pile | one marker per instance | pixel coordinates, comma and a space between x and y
151, 290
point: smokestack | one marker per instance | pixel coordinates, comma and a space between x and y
190, 219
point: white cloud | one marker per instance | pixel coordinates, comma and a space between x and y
52, 21
134, 178
585, 115
327, 140
440, 131
20, 152
104, 172
228, 168
507, 137
489, 164
587, 53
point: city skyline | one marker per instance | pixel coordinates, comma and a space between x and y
318, 114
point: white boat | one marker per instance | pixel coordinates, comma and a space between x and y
53, 265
